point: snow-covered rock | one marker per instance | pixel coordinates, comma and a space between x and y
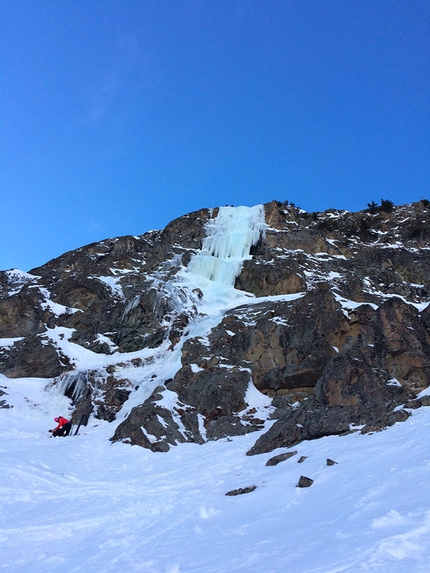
165, 334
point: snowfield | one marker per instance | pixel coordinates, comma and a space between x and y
83, 503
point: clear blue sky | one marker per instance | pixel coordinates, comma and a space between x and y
118, 116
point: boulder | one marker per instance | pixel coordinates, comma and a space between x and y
280, 458
241, 490
305, 482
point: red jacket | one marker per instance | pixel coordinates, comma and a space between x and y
61, 422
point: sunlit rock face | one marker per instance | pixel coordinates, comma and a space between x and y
229, 317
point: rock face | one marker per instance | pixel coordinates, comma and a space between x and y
333, 333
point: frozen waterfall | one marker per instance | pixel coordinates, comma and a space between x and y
227, 244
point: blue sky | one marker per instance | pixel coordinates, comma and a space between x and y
116, 117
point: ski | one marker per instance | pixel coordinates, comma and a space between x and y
81, 421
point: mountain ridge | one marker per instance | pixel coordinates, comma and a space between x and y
328, 322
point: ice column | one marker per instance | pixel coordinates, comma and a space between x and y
227, 244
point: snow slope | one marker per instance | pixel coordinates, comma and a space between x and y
84, 504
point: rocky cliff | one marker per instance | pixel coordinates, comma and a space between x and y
324, 328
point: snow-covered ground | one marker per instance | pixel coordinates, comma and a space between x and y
83, 503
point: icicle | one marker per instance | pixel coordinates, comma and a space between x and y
73, 384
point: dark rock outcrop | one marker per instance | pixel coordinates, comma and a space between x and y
241, 490
33, 356
382, 368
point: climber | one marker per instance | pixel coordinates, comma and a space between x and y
63, 428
